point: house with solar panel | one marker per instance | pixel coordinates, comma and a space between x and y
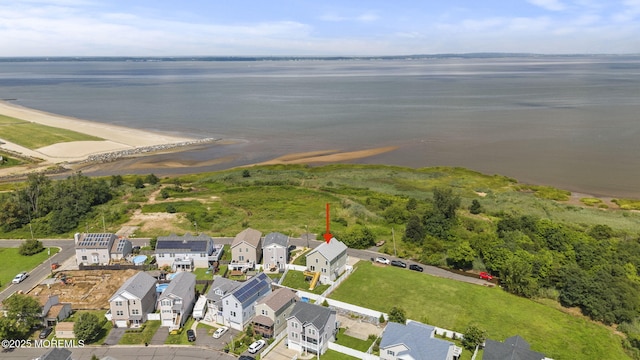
131, 303
329, 260
100, 248
311, 327
275, 251
246, 250
177, 300
415, 340
185, 253
238, 306
513, 348
220, 287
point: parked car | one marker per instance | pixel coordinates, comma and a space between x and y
256, 346
45, 333
191, 335
19, 278
383, 260
221, 330
486, 276
416, 267
398, 263
135, 249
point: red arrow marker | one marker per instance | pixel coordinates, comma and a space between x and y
327, 235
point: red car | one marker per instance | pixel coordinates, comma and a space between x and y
486, 276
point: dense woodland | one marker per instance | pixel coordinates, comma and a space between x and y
591, 266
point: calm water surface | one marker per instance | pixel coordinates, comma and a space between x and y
569, 122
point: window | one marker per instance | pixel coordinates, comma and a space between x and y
227, 302
119, 313
316, 261
326, 262
324, 270
135, 312
172, 255
233, 313
84, 258
236, 305
118, 303
202, 254
239, 249
247, 249
264, 312
389, 352
313, 268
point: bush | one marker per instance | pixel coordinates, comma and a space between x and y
30, 247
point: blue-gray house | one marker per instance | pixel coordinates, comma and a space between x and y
415, 341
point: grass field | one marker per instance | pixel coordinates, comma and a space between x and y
334, 355
181, 338
13, 263
34, 136
351, 342
296, 280
446, 304
139, 338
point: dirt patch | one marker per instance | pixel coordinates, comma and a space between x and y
150, 222
575, 197
85, 289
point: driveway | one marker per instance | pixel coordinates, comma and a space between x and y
160, 336
114, 336
204, 337
280, 352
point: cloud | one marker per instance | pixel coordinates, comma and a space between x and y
551, 5
365, 17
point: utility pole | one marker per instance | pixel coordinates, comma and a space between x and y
104, 227
393, 236
196, 225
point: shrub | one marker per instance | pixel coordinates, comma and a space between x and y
30, 247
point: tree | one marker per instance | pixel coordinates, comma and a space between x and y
152, 242
116, 180
358, 237
461, 256
397, 315
87, 327
138, 183
475, 207
414, 231
23, 313
446, 203
473, 337
601, 232
412, 204
151, 179
30, 247
516, 275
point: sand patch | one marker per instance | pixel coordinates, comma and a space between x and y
327, 156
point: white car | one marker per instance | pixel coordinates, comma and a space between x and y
19, 278
382, 260
218, 333
256, 346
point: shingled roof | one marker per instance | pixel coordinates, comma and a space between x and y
248, 235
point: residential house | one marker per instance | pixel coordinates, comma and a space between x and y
94, 248
514, 348
185, 253
272, 312
311, 327
238, 306
246, 250
121, 249
131, 303
219, 288
56, 353
415, 341
176, 301
329, 258
275, 252
54, 311
64, 330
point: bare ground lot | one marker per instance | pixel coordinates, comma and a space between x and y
87, 289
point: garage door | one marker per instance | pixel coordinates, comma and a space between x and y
121, 323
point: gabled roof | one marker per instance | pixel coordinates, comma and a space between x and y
179, 285
330, 250
252, 289
248, 235
275, 238
311, 314
225, 285
514, 348
95, 241
118, 246
137, 285
418, 339
279, 299
186, 243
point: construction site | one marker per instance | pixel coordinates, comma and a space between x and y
84, 289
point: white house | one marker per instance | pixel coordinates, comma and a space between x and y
94, 248
330, 259
238, 306
176, 302
185, 253
275, 251
219, 288
311, 327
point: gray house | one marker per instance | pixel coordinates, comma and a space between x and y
272, 312
246, 250
274, 251
54, 311
131, 303
94, 248
330, 259
176, 302
514, 348
238, 306
415, 341
219, 288
311, 327
185, 253
120, 249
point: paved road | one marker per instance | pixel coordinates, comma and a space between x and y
122, 352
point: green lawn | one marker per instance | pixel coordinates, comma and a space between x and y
34, 136
454, 305
139, 338
14, 263
181, 337
351, 342
296, 280
334, 355
203, 274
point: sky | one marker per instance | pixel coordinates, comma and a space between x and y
316, 28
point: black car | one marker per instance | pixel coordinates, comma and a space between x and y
416, 267
398, 263
191, 335
45, 333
